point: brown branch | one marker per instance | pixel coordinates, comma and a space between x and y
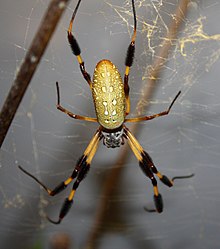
114, 176
168, 43
30, 63
60, 241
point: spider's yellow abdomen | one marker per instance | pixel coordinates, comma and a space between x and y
108, 94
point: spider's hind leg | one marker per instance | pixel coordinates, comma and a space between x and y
149, 162
158, 200
79, 172
164, 179
84, 165
149, 169
145, 164
84, 168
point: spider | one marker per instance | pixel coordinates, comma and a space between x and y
112, 105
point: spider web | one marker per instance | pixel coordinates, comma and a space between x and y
48, 143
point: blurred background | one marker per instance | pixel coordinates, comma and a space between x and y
47, 143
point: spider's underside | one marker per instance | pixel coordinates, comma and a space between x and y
113, 139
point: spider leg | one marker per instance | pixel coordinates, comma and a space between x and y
59, 187
75, 172
75, 47
69, 113
129, 61
84, 168
149, 169
138, 119
79, 172
146, 168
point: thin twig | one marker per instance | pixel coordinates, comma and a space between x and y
30, 63
114, 176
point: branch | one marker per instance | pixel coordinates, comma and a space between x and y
30, 63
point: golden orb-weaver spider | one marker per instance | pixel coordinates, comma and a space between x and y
112, 105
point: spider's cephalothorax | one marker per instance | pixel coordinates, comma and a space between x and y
113, 139
112, 105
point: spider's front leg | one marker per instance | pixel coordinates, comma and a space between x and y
75, 47
129, 61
